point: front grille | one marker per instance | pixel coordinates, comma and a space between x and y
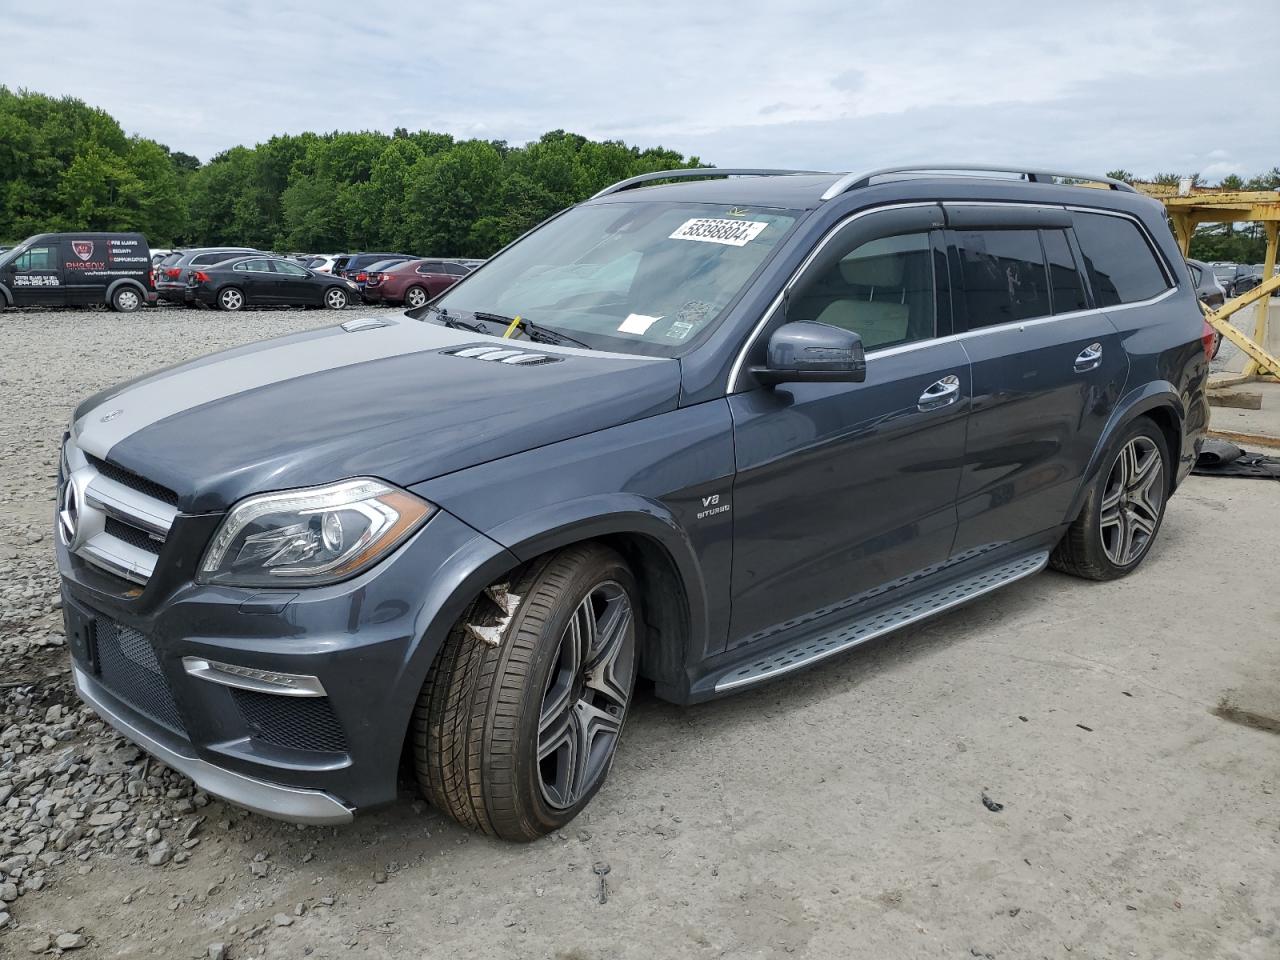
129, 669
299, 723
132, 535
133, 481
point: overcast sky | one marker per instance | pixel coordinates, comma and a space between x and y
824, 84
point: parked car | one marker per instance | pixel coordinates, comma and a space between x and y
361, 276
259, 280
350, 264
158, 254
1210, 292
740, 424
413, 282
1249, 277
174, 272
72, 269
321, 264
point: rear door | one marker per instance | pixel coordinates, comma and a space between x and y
1048, 369
35, 277
846, 489
258, 280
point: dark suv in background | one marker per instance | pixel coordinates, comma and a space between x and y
707, 432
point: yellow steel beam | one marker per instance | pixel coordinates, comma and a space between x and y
1268, 271
1259, 359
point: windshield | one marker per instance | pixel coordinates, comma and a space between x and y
643, 277
10, 255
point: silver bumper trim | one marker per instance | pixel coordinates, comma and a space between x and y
269, 799
248, 678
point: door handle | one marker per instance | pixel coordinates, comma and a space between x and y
1090, 358
940, 394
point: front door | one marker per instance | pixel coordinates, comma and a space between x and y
1047, 372
845, 490
35, 276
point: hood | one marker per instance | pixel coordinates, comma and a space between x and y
397, 399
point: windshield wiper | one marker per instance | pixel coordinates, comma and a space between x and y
534, 331
453, 322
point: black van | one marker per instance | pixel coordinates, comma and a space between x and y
74, 269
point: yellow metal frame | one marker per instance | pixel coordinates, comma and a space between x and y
1211, 205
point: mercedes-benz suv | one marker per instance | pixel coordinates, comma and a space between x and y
705, 432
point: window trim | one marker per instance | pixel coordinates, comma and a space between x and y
732, 386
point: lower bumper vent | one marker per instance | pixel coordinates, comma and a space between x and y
298, 723
130, 670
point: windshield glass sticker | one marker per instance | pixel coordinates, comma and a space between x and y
637, 323
679, 330
734, 233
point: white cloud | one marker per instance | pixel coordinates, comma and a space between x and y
825, 84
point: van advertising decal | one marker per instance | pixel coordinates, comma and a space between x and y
124, 258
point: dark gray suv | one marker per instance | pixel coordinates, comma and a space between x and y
705, 432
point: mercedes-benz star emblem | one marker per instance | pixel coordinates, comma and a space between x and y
69, 513
108, 417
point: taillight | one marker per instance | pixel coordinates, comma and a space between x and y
199, 276
361, 277
173, 273
1206, 340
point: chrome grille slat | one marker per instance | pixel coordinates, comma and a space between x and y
127, 501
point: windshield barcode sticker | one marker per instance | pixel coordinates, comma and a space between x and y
735, 233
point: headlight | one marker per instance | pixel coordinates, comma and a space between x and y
311, 536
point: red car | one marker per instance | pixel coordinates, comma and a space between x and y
414, 282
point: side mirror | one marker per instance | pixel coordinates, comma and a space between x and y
804, 351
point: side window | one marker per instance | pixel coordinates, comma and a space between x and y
431, 266
289, 270
1064, 277
243, 266
455, 269
1004, 276
883, 290
36, 258
1121, 265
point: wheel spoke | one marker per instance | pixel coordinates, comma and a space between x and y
613, 629
1141, 524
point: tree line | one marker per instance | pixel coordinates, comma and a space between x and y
65, 165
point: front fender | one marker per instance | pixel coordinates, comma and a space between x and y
557, 525
1156, 394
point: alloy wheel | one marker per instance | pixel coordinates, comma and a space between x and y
416, 297
336, 299
1132, 502
586, 697
232, 300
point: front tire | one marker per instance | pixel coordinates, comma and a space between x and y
1123, 511
335, 298
231, 299
126, 300
514, 740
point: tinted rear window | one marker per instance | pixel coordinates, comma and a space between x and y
1064, 276
1121, 265
1004, 276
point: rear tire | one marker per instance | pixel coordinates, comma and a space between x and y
126, 300
514, 740
415, 297
231, 299
1124, 508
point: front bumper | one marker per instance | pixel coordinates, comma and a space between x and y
272, 799
368, 642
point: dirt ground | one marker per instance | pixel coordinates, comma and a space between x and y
1131, 731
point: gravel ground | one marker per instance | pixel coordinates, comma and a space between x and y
1124, 728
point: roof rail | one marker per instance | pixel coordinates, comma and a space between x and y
853, 181
685, 173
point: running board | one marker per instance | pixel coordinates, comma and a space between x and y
885, 621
